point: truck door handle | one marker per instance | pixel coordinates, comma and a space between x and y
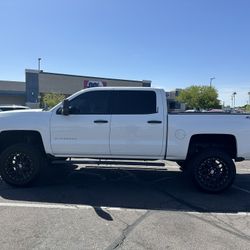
154, 121
100, 121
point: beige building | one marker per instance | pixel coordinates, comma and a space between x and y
37, 83
69, 84
12, 92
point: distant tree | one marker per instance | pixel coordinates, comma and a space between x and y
200, 97
51, 99
246, 108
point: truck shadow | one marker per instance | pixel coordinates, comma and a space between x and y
129, 188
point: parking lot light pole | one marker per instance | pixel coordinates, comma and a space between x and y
211, 80
249, 97
39, 63
233, 96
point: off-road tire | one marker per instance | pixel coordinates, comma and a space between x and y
20, 164
212, 170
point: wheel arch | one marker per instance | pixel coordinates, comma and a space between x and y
31, 137
201, 142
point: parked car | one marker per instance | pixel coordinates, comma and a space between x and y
12, 107
191, 110
216, 111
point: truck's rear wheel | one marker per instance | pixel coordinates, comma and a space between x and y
213, 170
20, 164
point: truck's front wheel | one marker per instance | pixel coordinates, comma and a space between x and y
20, 164
213, 170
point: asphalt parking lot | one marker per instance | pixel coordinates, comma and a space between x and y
97, 206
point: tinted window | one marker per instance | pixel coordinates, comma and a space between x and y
11, 108
94, 102
134, 102
7, 109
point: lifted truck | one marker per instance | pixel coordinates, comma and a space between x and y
123, 123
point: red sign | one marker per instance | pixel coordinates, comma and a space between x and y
93, 83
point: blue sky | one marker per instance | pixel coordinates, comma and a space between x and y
174, 43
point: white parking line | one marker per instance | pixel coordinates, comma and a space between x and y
60, 206
75, 207
39, 205
243, 170
241, 189
215, 213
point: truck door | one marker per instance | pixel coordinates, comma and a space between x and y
85, 131
137, 124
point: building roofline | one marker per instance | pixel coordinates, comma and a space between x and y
93, 77
11, 81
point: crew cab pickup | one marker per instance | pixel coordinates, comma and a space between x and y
127, 123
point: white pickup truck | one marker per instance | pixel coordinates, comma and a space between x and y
127, 123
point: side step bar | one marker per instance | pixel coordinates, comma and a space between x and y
110, 162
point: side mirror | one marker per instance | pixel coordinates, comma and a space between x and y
65, 108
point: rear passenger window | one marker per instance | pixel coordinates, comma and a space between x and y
133, 102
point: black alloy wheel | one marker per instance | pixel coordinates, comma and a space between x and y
213, 171
20, 164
